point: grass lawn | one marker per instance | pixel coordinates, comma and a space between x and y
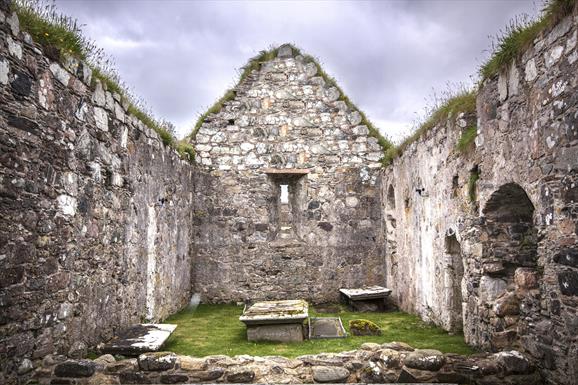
216, 329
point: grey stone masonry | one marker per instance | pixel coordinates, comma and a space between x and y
285, 126
95, 219
503, 266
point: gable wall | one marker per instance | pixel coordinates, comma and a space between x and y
285, 117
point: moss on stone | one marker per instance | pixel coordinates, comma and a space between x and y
363, 327
467, 139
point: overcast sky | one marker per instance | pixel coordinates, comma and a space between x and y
388, 56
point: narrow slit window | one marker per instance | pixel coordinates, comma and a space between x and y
284, 194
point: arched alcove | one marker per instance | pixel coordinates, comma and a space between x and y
509, 249
391, 197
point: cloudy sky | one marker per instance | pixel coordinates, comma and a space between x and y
390, 57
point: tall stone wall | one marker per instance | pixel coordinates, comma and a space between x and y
286, 126
509, 257
95, 225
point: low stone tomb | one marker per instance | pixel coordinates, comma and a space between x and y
280, 321
369, 298
326, 327
139, 339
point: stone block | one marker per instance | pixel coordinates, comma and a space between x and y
425, 359
75, 368
240, 375
330, 374
276, 332
526, 278
157, 361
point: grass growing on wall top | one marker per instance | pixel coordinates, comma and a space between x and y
467, 139
50, 28
216, 329
255, 64
55, 31
520, 34
463, 100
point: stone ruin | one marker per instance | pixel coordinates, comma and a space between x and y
102, 226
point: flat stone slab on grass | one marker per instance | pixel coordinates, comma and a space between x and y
326, 327
368, 292
275, 312
280, 321
139, 339
365, 299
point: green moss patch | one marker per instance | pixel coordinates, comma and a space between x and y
472, 183
363, 327
467, 139
216, 329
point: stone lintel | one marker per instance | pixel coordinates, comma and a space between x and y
291, 171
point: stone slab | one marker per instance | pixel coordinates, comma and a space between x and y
139, 339
368, 292
326, 327
275, 312
276, 332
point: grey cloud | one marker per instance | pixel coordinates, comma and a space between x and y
180, 56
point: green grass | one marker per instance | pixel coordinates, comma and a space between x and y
256, 62
53, 30
50, 28
462, 101
467, 139
520, 34
216, 329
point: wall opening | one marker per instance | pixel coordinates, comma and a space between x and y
455, 273
509, 249
285, 204
391, 197
455, 186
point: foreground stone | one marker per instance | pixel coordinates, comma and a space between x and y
373, 363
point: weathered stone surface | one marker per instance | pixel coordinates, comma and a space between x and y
77, 368
174, 379
192, 364
239, 376
329, 374
425, 359
95, 223
513, 362
157, 361
495, 258
329, 231
209, 375
277, 332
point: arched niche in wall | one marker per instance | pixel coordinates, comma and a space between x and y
509, 253
391, 197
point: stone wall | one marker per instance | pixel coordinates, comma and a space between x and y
95, 225
372, 364
286, 126
508, 256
